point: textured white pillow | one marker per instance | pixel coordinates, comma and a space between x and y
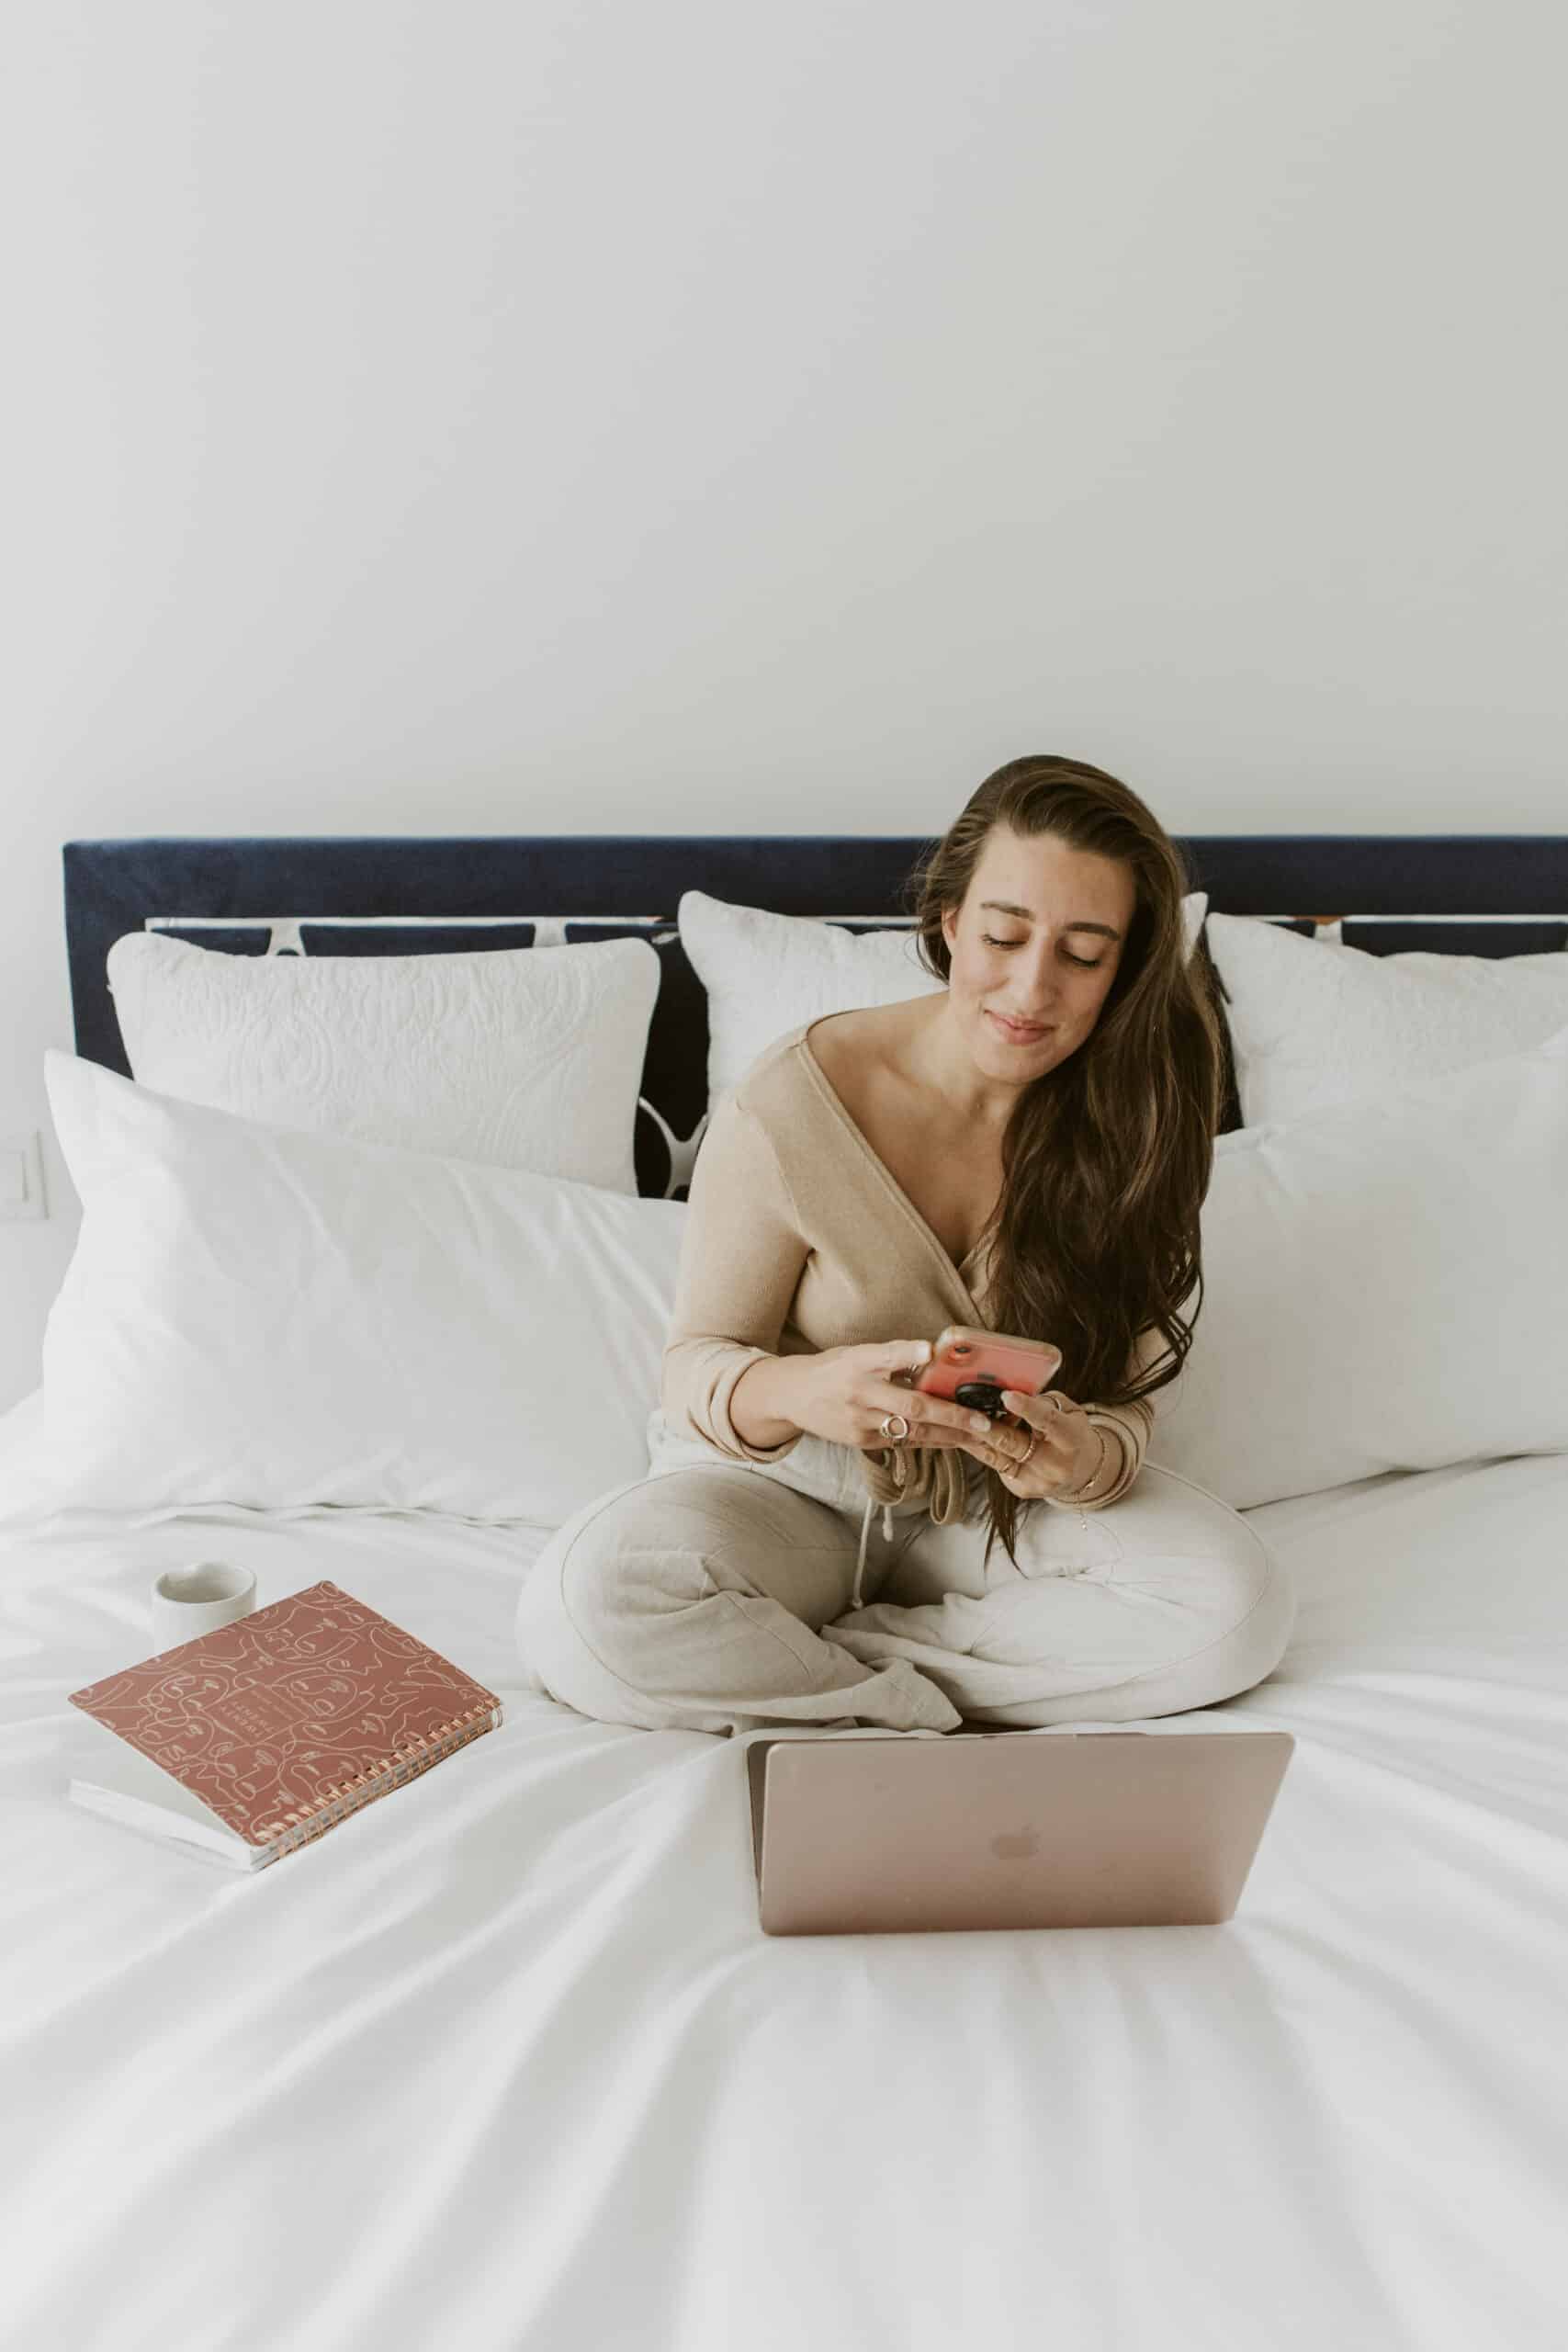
1313, 1022
261, 1317
525, 1057
1385, 1288
766, 974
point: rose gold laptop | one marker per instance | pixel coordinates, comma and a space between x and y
867, 1831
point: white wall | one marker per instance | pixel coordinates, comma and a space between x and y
729, 418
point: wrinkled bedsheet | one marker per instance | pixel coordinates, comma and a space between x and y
505, 2059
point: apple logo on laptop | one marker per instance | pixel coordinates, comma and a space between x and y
1011, 1849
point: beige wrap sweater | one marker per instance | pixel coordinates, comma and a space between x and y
800, 1238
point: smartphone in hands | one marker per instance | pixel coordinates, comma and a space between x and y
971, 1367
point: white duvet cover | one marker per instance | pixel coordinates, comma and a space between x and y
505, 2061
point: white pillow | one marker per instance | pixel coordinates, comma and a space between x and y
1385, 1288
258, 1317
766, 974
1312, 1021
261, 1317
525, 1057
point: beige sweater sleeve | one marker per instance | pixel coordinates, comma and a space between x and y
740, 1263
1126, 1426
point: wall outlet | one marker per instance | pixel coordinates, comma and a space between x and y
21, 1179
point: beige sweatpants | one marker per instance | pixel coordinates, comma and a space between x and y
718, 1599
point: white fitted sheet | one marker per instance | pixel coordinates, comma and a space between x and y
506, 2060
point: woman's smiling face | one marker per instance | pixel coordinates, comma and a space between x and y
1035, 947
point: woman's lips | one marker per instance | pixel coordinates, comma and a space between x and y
1017, 1036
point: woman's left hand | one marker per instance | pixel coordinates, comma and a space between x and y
1064, 1454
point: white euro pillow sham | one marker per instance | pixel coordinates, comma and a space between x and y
1314, 1021
267, 1318
522, 1057
1385, 1288
766, 974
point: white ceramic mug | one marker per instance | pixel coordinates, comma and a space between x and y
190, 1602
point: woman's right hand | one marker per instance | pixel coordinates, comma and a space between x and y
844, 1392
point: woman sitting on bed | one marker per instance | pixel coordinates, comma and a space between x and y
1028, 1150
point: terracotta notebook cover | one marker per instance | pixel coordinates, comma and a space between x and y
295, 1717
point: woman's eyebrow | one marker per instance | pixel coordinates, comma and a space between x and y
1026, 914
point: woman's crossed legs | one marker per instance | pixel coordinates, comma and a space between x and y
718, 1600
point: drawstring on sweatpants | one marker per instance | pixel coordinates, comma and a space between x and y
864, 1532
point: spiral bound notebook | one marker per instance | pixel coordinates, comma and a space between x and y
258, 1737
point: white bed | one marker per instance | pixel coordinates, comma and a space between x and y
507, 2062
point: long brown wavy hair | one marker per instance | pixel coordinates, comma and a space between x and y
1106, 1159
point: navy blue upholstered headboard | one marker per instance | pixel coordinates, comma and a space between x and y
1473, 894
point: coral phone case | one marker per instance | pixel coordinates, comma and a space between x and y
986, 1361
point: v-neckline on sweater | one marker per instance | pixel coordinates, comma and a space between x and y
955, 1267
